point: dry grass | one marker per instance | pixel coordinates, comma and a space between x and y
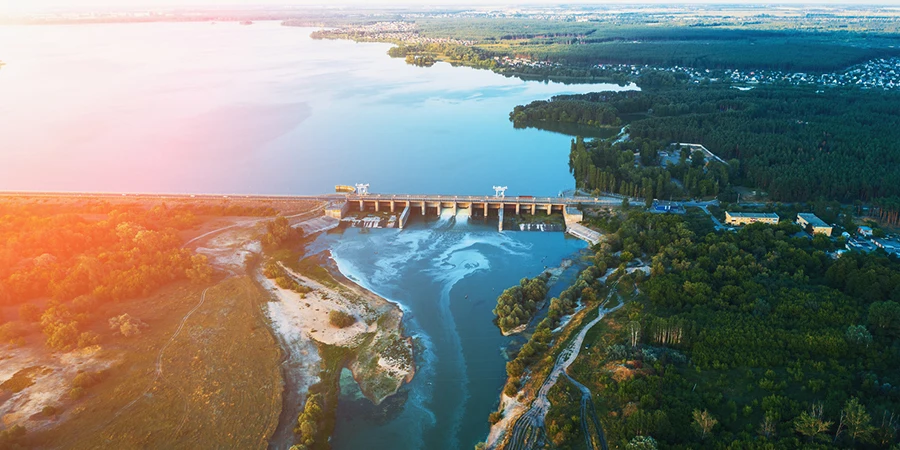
220, 385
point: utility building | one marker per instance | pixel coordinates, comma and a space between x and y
818, 225
739, 218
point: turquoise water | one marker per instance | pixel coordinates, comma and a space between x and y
196, 107
263, 109
446, 274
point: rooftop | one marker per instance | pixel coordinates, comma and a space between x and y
813, 220
753, 215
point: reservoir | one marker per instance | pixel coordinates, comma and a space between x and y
264, 109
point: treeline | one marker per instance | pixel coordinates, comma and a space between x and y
452, 53
64, 256
887, 210
749, 339
794, 143
580, 112
517, 305
586, 44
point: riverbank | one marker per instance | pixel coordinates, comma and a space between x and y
370, 343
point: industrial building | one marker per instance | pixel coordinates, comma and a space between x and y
741, 218
810, 220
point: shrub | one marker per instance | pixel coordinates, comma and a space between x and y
48, 411
87, 339
126, 325
495, 417
76, 393
340, 319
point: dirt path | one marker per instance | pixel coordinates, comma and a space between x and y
528, 429
251, 222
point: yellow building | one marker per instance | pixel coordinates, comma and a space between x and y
739, 218
818, 225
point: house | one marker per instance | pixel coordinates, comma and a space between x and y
860, 245
888, 245
864, 231
818, 225
739, 218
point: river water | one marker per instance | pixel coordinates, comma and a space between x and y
264, 109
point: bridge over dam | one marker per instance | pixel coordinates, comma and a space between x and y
407, 204
341, 204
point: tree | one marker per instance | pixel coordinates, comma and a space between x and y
859, 335
857, 420
767, 427
704, 422
884, 317
811, 424
641, 443
200, 271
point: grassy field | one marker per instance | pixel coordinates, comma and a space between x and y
220, 383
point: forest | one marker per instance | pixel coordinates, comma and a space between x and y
752, 339
585, 44
794, 143
79, 261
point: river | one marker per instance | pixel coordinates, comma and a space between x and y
264, 109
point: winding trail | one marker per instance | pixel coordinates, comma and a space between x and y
588, 410
528, 430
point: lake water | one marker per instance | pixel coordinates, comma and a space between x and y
263, 109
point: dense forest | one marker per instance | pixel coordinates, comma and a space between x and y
794, 143
752, 339
584, 44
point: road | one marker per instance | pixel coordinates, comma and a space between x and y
528, 430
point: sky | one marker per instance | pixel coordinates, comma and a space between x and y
26, 5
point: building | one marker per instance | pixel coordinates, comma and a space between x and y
888, 245
739, 218
864, 231
337, 210
818, 225
860, 245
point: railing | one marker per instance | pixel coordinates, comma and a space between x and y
328, 197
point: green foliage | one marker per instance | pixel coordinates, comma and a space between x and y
50, 251
340, 319
884, 318
792, 142
517, 305
279, 234
741, 338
